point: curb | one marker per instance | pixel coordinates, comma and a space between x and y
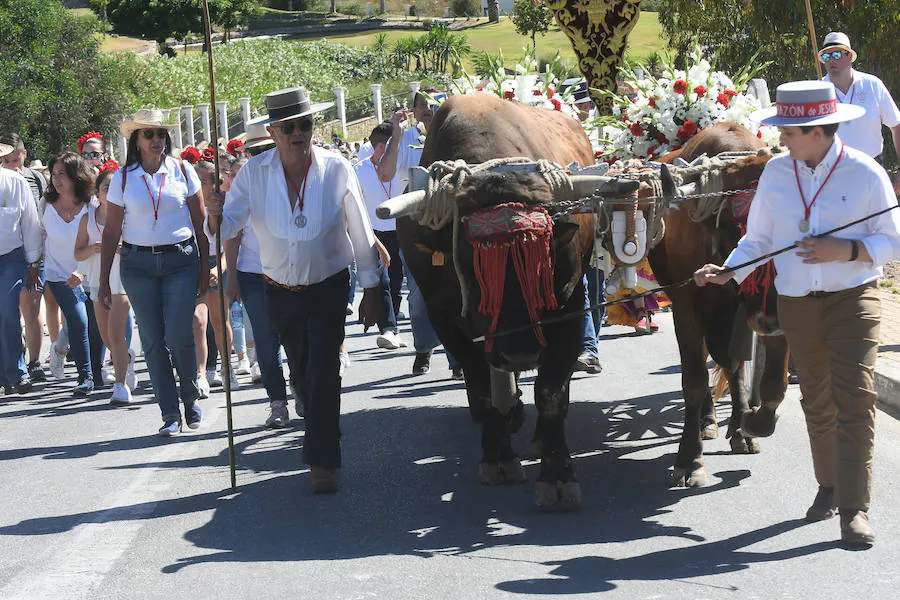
887, 383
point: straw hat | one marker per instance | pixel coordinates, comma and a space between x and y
145, 118
291, 103
836, 39
800, 103
256, 134
4, 149
37, 165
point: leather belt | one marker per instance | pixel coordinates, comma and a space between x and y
290, 288
178, 247
820, 294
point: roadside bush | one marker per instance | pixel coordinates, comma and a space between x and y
652, 5
356, 9
466, 8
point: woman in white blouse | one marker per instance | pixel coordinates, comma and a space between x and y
155, 206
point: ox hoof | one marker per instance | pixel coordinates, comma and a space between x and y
683, 478
557, 496
759, 422
710, 432
503, 472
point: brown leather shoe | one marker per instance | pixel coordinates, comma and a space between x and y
823, 506
324, 481
855, 528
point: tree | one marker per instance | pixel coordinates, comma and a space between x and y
531, 17
493, 7
465, 8
162, 19
60, 89
231, 14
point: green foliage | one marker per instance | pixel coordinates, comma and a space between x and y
531, 17
466, 8
652, 5
357, 9
161, 19
439, 50
732, 32
60, 90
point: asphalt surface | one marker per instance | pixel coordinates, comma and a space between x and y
94, 505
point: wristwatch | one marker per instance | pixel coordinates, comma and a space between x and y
37, 264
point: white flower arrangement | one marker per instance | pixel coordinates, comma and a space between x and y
667, 111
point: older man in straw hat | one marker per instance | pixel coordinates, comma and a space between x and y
307, 210
828, 303
860, 89
21, 246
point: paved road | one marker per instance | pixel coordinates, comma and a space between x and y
93, 505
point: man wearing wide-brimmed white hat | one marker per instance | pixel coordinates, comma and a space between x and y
307, 210
828, 303
860, 89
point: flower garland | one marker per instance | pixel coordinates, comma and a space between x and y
667, 111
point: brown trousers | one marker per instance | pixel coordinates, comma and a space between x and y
834, 341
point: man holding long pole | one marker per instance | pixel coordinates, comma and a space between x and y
307, 210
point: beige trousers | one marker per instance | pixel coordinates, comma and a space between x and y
834, 341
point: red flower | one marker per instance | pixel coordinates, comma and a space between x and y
636, 130
624, 118
652, 102
479, 89
599, 154
651, 151
536, 92
109, 165
90, 135
208, 154
509, 95
191, 154
683, 135
661, 138
690, 127
700, 91
731, 93
759, 134
680, 86
234, 147
557, 105
550, 92
723, 99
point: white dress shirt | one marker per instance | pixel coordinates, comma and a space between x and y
336, 229
248, 259
375, 192
857, 188
20, 224
365, 151
140, 227
408, 156
864, 133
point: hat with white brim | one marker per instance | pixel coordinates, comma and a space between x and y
836, 39
145, 118
802, 103
4, 149
291, 103
256, 134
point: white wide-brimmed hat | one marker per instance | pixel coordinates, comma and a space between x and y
801, 103
291, 103
4, 149
256, 134
836, 39
37, 165
145, 118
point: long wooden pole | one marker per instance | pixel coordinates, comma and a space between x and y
225, 353
813, 40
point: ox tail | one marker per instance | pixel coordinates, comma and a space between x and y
719, 384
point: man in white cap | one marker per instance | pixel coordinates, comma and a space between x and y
861, 89
828, 303
307, 211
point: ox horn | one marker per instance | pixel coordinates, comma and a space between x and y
671, 190
585, 185
402, 205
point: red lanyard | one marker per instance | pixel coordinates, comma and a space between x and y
808, 207
301, 195
387, 190
155, 201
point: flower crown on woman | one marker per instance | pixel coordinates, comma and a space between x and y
90, 135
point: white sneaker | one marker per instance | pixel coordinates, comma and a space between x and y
255, 374
106, 377
57, 363
130, 376
243, 366
388, 340
215, 380
235, 384
203, 385
121, 395
298, 401
345, 361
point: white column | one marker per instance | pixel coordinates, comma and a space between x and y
376, 100
123, 149
413, 88
204, 123
222, 115
341, 109
187, 113
174, 115
245, 111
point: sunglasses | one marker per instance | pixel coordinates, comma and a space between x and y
834, 55
149, 134
92, 155
304, 126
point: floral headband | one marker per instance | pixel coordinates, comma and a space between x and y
110, 165
90, 135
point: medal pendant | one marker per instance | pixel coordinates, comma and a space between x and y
804, 226
300, 221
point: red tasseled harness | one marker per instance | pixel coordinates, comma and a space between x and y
524, 231
763, 277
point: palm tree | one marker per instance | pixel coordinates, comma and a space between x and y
493, 11
380, 43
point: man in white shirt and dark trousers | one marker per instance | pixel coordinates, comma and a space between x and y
307, 210
375, 192
860, 89
828, 304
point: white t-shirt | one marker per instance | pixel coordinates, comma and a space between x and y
59, 245
864, 133
365, 151
173, 223
375, 192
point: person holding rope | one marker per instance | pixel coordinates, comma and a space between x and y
828, 303
308, 213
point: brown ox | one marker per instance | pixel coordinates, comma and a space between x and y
716, 319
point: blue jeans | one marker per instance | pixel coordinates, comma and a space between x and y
425, 338
388, 319
12, 357
268, 352
352, 282
77, 323
589, 343
163, 289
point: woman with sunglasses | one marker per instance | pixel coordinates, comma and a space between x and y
155, 206
67, 199
92, 150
